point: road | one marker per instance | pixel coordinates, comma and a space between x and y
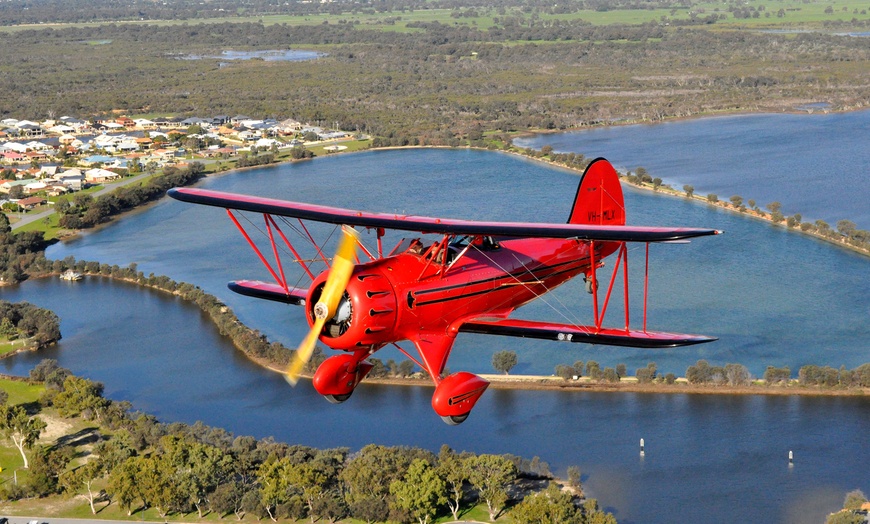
33, 217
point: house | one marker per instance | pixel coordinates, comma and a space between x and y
194, 121
6, 186
54, 190
39, 156
31, 130
12, 158
290, 126
14, 146
144, 123
248, 135
96, 159
71, 178
100, 176
61, 129
47, 172
31, 202
126, 122
34, 187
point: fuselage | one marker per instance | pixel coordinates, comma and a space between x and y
400, 296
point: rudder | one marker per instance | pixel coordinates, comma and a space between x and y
599, 199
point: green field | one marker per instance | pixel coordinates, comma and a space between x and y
782, 15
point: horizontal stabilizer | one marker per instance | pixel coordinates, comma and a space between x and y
582, 334
267, 291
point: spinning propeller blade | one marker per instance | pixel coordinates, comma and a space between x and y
333, 289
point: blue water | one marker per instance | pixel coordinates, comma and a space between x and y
274, 55
708, 458
774, 297
815, 165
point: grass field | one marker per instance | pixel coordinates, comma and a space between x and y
20, 392
786, 14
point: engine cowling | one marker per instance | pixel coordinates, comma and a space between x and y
366, 315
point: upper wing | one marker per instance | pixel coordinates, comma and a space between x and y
336, 215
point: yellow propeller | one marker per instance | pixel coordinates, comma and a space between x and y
324, 309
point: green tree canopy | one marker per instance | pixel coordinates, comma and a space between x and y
420, 492
504, 361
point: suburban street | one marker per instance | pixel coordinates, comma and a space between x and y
33, 217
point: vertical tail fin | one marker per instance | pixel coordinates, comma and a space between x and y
599, 197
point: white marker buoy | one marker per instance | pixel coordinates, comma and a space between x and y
641, 447
790, 458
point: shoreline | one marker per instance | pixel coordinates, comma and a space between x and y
627, 385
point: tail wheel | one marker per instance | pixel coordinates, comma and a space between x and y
455, 420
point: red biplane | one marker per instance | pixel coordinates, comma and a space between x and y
468, 280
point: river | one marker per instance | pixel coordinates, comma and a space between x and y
773, 297
815, 165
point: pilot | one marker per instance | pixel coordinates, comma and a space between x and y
416, 247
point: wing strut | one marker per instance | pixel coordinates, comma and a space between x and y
621, 260
271, 228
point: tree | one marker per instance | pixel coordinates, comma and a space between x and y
690, 190
854, 500
453, 470
574, 477
124, 485
593, 370
199, 468
368, 475
736, 200
846, 228
490, 475
845, 517
16, 192
643, 174
712, 198
310, 481
551, 506
504, 361
700, 373
420, 492
227, 498
736, 375
621, 370
564, 371
157, 484
81, 396
643, 375
774, 207
85, 475
21, 428
274, 485
773, 374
